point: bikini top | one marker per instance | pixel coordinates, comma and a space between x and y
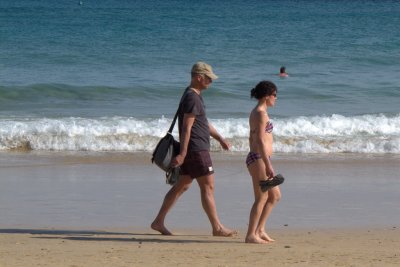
269, 127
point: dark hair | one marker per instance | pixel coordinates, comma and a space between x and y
283, 69
263, 88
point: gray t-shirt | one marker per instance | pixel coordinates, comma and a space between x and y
200, 134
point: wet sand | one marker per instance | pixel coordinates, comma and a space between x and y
93, 209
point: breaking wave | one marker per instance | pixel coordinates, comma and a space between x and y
376, 133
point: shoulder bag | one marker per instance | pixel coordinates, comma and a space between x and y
166, 149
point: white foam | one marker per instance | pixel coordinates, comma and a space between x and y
318, 134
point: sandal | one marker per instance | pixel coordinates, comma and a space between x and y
268, 184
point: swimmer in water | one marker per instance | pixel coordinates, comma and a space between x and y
282, 72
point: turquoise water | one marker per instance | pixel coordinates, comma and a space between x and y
107, 76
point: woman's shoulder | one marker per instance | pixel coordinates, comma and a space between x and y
258, 116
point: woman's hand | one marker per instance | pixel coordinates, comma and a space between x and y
269, 171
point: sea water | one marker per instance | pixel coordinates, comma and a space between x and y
107, 75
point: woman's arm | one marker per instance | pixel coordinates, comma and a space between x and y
264, 143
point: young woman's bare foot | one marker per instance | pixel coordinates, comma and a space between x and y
255, 240
266, 237
160, 228
224, 232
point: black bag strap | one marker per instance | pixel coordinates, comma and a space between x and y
173, 121
177, 111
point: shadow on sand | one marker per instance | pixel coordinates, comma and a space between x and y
84, 235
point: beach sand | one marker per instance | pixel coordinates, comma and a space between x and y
94, 209
373, 247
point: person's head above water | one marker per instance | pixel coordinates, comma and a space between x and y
282, 72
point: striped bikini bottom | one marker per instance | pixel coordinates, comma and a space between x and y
252, 157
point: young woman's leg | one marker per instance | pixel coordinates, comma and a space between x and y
257, 172
274, 195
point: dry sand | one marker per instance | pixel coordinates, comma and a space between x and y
367, 247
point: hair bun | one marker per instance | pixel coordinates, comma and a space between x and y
253, 92
263, 88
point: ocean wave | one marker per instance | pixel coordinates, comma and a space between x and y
375, 133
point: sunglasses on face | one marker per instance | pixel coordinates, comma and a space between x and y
206, 77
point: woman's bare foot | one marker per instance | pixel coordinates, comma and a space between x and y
224, 232
255, 240
160, 228
266, 237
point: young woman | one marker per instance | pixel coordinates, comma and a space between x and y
259, 162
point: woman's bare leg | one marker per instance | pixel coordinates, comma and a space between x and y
274, 195
256, 170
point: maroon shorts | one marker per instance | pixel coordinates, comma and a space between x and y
197, 164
